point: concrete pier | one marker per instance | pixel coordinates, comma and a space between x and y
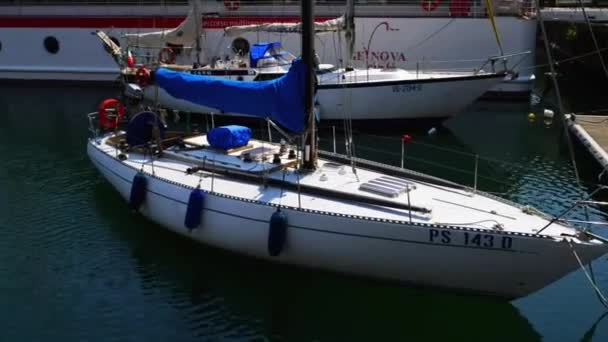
575, 14
592, 132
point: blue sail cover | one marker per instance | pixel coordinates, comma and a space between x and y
258, 51
281, 99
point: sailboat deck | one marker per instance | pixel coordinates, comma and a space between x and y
447, 206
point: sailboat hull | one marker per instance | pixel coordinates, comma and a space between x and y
412, 99
423, 98
512, 266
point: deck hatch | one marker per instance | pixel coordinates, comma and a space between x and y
387, 186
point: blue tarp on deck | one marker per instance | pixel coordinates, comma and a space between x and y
258, 51
281, 99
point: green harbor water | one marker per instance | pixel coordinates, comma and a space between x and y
77, 265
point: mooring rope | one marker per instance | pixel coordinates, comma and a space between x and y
590, 276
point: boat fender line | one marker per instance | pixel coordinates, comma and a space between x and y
429, 5
118, 112
277, 232
195, 209
142, 76
166, 55
138, 191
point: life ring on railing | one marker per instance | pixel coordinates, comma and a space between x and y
430, 5
142, 76
166, 56
111, 119
232, 5
460, 8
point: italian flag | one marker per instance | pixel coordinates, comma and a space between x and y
130, 60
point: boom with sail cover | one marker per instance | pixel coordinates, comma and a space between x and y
281, 99
332, 25
187, 33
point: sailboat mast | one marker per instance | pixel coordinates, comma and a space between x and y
349, 34
198, 28
310, 145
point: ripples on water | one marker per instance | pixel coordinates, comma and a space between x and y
75, 264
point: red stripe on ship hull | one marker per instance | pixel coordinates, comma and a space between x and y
137, 22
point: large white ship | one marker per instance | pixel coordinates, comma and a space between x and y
52, 40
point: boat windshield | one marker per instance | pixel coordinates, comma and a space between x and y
266, 55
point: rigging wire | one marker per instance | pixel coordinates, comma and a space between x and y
430, 36
597, 48
565, 60
591, 278
559, 98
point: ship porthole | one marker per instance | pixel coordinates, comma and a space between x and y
113, 39
240, 46
51, 44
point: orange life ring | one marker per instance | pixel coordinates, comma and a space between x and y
166, 56
232, 5
142, 76
107, 120
430, 5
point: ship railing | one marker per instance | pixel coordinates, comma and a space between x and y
503, 59
507, 62
380, 8
94, 124
423, 8
147, 55
474, 171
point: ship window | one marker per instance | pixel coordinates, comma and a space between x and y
0, 46
51, 44
240, 46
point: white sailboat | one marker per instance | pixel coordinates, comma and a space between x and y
314, 209
371, 93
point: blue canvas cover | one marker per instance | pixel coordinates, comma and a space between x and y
258, 51
227, 137
281, 99
140, 128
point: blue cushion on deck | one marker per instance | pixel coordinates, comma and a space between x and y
227, 137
